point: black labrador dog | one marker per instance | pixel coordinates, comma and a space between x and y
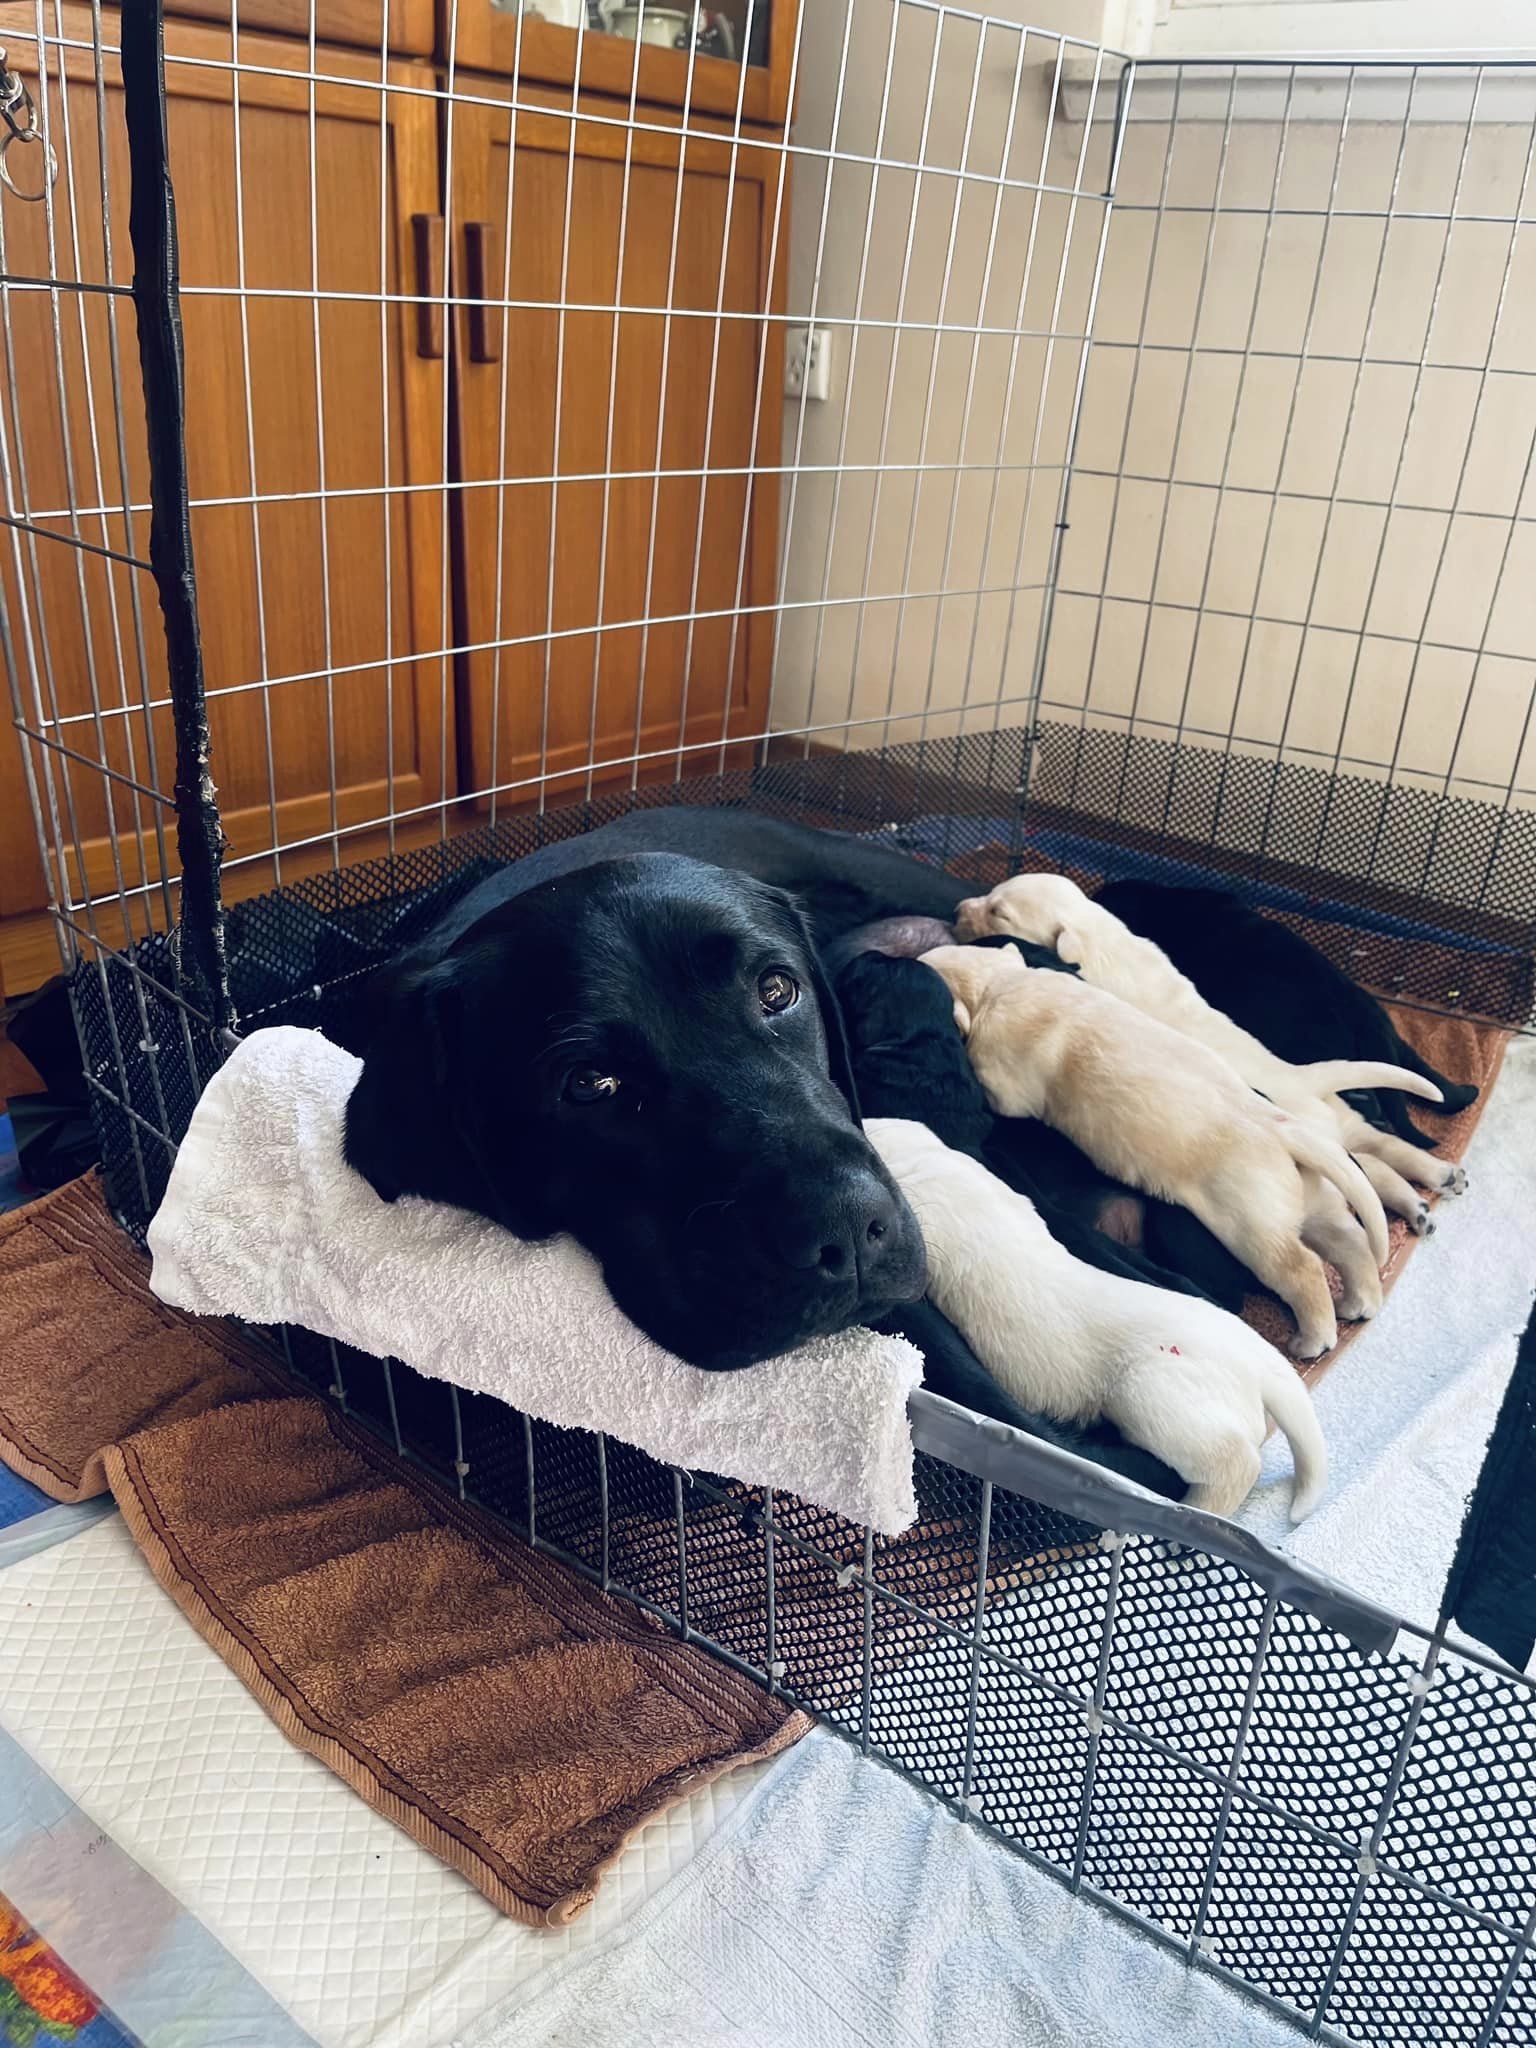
1289, 995
642, 1052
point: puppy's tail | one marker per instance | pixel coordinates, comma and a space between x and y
1315, 1149
1289, 1406
1332, 1077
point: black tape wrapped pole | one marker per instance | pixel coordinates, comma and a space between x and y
157, 303
1491, 1590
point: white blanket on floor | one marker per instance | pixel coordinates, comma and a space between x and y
263, 1219
839, 1908
365, 1938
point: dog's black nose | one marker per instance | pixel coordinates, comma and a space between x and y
843, 1233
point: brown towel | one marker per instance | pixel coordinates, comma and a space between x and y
511, 1718
507, 1715
87, 1355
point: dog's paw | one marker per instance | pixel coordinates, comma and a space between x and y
1356, 1309
1306, 1350
1421, 1223
1455, 1182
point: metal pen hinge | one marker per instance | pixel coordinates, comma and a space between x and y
19, 115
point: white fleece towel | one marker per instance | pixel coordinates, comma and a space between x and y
263, 1219
840, 1908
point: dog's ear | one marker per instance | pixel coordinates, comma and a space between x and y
1067, 946
400, 1135
962, 1019
839, 1059
424, 1120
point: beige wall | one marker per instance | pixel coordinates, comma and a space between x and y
920, 420
1361, 590
1305, 551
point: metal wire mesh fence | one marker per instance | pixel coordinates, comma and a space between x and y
1270, 1778
1168, 511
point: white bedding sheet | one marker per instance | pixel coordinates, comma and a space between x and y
359, 1934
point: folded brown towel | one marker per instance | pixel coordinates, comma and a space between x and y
510, 1717
87, 1355
507, 1715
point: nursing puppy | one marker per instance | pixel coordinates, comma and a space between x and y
1280, 987
908, 1060
1052, 910
1173, 1373
1165, 1113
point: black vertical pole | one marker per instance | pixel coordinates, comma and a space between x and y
157, 303
1491, 1589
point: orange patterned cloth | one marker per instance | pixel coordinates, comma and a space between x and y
40, 2000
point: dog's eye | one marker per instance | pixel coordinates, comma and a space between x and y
777, 990
590, 1084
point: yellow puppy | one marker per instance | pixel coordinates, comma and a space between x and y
1160, 1111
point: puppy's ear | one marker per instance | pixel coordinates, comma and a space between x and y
962, 1019
1067, 947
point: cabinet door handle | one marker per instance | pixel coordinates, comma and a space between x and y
484, 323
427, 248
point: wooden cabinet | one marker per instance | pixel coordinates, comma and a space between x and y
609, 519
408, 617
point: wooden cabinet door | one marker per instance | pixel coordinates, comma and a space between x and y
308, 601
586, 422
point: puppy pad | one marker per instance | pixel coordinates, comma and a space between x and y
264, 1220
357, 1932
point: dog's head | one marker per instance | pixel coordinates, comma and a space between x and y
908, 1059
645, 1054
972, 973
1047, 910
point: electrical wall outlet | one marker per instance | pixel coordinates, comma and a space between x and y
808, 362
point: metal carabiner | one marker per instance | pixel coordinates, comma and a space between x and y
16, 101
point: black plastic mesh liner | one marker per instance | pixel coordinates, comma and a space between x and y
1121, 1714
1160, 1871
1479, 1846
1331, 1768
1279, 1903
1516, 2025
1415, 1972
1421, 894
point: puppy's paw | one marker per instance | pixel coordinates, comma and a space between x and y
1357, 1308
1307, 1349
1421, 1223
1455, 1182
